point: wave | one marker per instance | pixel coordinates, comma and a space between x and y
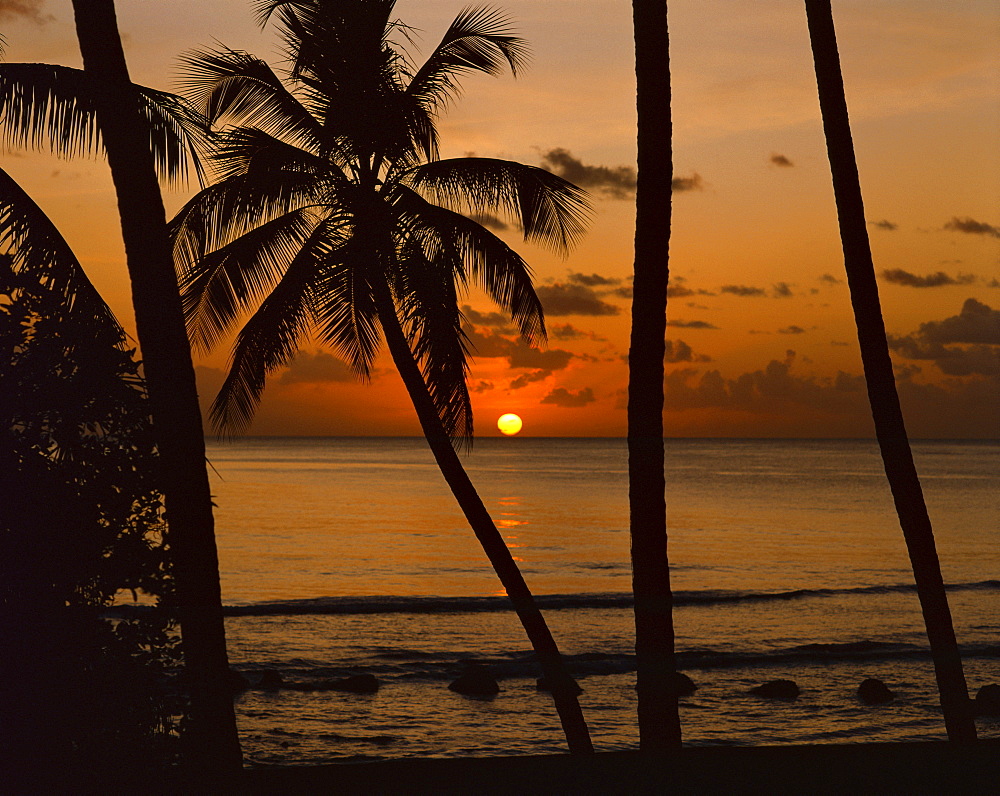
555, 602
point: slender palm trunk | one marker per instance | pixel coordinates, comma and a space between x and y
211, 731
659, 724
564, 689
896, 455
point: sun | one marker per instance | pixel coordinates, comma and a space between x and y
509, 424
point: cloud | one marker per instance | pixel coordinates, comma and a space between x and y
830, 279
793, 329
560, 396
885, 224
616, 182
898, 276
692, 183
573, 299
315, 368
521, 355
677, 288
529, 378
972, 227
692, 325
593, 280
24, 9
976, 323
567, 331
490, 222
482, 386
781, 160
781, 290
742, 290
679, 351
496, 320
962, 345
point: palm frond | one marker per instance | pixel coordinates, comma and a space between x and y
427, 300
43, 106
550, 210
38, 251
479, 40
177, 134
268, 341
346, 316
247, 150
237, 87
470, 248
225, 283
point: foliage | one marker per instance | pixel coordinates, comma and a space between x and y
329, 191
80, 515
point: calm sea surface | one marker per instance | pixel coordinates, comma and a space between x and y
348, 555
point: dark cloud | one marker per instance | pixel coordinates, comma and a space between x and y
567, 331
490, 222
793, 329
742, 290
625, 292
560, 396
496, 320
24, 9
617, 182
692, 183
315, 368
781, 160
593, 280
885, 224
529, 378
962, 345
972, 227
691, 325
679, 351
482, 386
573, 299
898, 276
678, 288
830, 279
781, 290
521, 355
976, 323
487, 343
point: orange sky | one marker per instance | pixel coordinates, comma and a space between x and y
761, 339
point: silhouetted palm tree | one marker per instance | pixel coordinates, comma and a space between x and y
122, 117
659, 725
334, 218
889, 427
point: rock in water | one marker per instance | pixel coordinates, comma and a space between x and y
238, 682
874, 692
777, 689
988, 700
476, 680
542, 684
356, 684
684, 685
270, 680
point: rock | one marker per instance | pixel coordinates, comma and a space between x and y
238, 682
270, 680
875, 692
542, 684
988, 700
356, 684
684, 685
476, 680
777, 689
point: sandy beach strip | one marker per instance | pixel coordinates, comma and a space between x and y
904, 768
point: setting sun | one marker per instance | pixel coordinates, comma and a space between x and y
509, 424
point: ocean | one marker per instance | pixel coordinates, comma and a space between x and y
344, 556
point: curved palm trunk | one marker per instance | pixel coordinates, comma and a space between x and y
896, 455
659, 723
564, 689
211, 731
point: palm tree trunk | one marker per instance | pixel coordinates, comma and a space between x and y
889, 428
659, 723
211, 731
564, 689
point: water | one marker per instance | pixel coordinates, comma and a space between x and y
345, 556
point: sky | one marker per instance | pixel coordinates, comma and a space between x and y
761, 340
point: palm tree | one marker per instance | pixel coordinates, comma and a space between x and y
659, 724
119, 113
334, 218
893, 442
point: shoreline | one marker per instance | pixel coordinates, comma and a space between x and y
926, 767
